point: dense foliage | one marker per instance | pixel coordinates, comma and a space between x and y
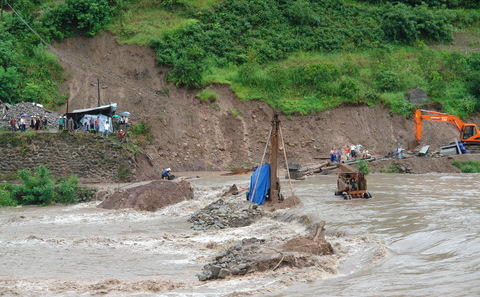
28, 72
300, 56
39, 188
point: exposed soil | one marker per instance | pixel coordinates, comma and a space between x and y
190, 135
149, 197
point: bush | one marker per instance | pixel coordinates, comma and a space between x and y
67, 190
6, 199
188, 69
207, 96
141, 128
403, 24
363, 167
386, 81
349, 88
37, 188
173, 4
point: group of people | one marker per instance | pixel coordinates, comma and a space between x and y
93, 124
36, 123
351, 152
63, 124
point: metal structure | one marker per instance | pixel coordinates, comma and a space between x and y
469, 133
351, 184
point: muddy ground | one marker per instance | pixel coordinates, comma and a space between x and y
190, 135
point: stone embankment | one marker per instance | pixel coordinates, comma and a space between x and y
91, 157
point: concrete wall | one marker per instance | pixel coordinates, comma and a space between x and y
91, 157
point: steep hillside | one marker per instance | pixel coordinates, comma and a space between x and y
189, 134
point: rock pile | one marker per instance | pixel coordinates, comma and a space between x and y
32, 109
255, 255
220, 214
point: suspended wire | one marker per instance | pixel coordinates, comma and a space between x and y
94, 80
60, 56
286, 163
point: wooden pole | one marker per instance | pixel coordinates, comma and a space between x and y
98, 91
274, 182
286, 163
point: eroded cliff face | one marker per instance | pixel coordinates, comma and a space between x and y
192, 135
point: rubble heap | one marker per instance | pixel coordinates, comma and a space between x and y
220, 214
32, 109
255, 255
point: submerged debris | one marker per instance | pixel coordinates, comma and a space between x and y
221, 214
255, 255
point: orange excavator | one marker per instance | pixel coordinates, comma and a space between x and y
469, 133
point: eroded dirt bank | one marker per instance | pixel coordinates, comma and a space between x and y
192, 135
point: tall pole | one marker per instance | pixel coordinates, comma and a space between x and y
98, 91
274, 181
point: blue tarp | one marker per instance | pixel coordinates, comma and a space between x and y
462, 148
263, 185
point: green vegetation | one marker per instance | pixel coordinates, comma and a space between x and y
207, 95
363, 167
40, 189
468, 166
141, 133
299, 56
393, 168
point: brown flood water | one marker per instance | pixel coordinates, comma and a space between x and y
418, 236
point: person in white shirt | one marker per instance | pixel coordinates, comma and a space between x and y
106, 127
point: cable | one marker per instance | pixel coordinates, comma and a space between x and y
51, 47
74, 66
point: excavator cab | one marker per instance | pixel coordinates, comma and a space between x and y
469, 131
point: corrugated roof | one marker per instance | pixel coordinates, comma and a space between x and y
111, 105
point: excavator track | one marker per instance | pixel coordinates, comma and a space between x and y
472, 147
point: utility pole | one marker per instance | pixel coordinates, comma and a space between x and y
98, 92
274, 181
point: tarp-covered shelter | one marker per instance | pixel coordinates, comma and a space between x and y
259, 184
103, 112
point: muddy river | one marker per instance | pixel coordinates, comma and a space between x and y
418, 236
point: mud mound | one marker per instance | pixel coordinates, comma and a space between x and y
150, 197
289, 202
308, 245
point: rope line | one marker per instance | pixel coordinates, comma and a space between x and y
60, 56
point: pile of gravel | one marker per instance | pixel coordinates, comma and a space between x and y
220, 214
32, 109
231, 261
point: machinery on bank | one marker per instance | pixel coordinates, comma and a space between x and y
469, 133
351, 184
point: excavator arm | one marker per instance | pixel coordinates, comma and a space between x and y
468, 132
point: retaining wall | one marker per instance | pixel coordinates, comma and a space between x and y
91, 157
